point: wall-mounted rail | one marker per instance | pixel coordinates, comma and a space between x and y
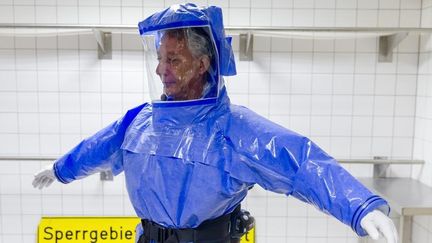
104, 175
28, 158
381, 161
230, 29
380, 164
343, 161
389, 38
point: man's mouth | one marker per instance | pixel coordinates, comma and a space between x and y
168, 83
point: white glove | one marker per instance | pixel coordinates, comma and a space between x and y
44, 177
376, 222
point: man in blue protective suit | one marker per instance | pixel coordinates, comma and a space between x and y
190, 156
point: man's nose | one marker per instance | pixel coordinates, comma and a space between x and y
161, 68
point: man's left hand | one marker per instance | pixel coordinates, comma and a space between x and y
376, 223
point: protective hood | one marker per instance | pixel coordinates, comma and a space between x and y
189, 14
186, 53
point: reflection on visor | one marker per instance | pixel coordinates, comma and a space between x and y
184, 62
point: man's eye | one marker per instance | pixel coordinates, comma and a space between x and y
174, 61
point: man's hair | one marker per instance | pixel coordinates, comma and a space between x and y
197, 38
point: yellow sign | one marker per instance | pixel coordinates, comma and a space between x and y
96, 230
87, 229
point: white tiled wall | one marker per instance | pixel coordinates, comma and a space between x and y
54, 92
422, 228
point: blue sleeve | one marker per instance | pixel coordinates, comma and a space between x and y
96, 153
283, 161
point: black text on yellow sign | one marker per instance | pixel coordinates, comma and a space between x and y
87, 229
96, 230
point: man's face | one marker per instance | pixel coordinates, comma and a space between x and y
181, 73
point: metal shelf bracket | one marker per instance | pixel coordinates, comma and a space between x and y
429, 42
104, 40
386, 45
106, 175
246, 47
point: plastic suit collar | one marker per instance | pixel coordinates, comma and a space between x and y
188, 15
187, 112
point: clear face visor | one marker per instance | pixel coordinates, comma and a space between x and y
181, 64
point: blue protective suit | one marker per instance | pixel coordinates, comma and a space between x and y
187, 162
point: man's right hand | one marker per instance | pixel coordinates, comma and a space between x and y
44, 177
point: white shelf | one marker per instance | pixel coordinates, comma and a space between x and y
389, 38
344, 161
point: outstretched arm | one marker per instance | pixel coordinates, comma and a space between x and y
283, 161
96, 153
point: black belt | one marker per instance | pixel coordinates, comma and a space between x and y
216, 230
